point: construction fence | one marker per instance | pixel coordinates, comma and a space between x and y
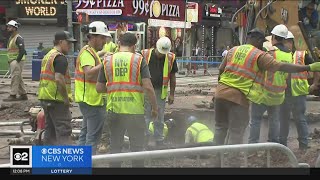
198, 65
240, 155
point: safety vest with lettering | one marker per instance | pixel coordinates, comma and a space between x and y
299, 81
110, 47
201, 133
48, 89
165, 129
124, 85
275, 82
167, 67
85, 90
242, 72
13, 49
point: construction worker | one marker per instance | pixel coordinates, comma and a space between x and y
162, 66
296, 97
16, 58
241, 75
109, 47
91, 103
165, 129
55, 91
274, 90
125, 77
197, 132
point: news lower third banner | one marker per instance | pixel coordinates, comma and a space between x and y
53, 160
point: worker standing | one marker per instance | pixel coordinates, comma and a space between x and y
197, 132
241, 75
296, 97
16, 58
91, 103
274, 90
108, 48
162, 66
55, 91
125, 77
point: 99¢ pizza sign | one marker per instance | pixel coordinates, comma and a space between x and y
157, 9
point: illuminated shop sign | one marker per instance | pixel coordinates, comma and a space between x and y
39, 8
156, 9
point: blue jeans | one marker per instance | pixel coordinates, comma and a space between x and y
256, 113
159, 123
92, 125
296, 105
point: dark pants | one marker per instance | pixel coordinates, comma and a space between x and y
58, 123
135, 127
231, 122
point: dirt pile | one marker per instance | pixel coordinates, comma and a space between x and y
16, 110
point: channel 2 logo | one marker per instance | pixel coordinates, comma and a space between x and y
20, 156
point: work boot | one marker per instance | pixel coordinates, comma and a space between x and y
23, 97
103, 148
11, 98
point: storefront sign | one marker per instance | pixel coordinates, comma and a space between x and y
39, 8
166, 23
192, 12
212, 11
157, 9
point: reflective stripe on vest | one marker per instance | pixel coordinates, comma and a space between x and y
13, 49
299, 81
167, 67
242, 72
201, 133
48, 89
85, 89
275, 82
124, 86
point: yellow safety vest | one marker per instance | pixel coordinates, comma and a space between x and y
299, 81
110, 48
48, 89
242, 72
167, 67
275, 82
124, 85
13, 49
201, 133
85, 90
165, 129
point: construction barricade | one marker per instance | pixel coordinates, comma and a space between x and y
201, 64
194, 157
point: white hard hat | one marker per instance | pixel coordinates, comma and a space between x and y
13, 23
280, 30
290, 35
98, 27
164, 45
191, 119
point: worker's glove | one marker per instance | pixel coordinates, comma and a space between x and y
315, 67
